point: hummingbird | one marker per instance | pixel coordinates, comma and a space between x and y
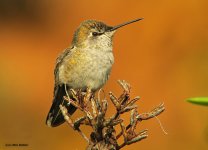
85, 64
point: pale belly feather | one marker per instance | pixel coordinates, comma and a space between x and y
86, 69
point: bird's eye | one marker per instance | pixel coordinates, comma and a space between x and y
95, 33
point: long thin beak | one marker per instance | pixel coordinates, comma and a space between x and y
123, 24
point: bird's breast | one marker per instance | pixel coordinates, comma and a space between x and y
86, 68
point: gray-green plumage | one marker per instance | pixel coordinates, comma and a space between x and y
86, 64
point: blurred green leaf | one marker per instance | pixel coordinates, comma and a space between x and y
199, 100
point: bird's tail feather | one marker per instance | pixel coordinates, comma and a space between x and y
55, 117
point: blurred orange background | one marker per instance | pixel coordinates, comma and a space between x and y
164, 57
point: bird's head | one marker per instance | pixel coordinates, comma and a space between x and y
92, 32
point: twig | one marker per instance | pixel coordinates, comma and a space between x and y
70, 122
145, 116
103, 136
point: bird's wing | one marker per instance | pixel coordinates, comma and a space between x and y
55, 117
59, 61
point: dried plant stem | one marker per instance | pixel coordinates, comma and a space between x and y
70, 122
103, 136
